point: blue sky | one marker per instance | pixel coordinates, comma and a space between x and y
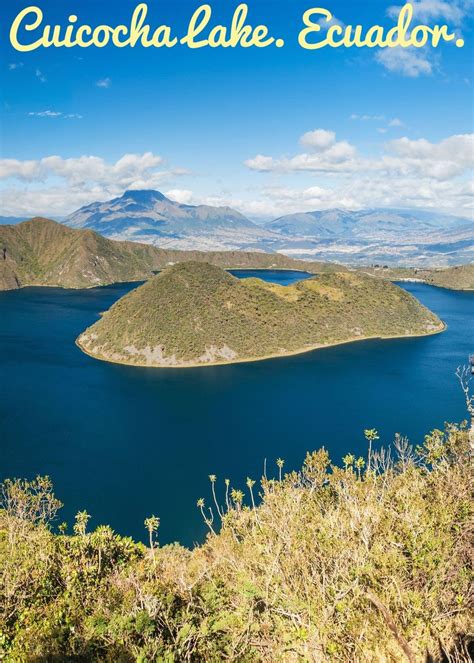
266, 130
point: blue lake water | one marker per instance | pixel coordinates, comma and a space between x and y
124, 442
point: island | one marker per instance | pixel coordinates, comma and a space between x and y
197, 314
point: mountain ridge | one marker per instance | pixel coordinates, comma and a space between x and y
43, 252
396, 236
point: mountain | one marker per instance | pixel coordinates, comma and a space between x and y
367, 224
43, 252
151, 217
198, 314
395, 237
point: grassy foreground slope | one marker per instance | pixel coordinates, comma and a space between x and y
43, 252
367, 562
460, 277
195, 313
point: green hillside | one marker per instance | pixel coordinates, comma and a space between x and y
454, 278
198, 314
367, 561
43, 252
460, 277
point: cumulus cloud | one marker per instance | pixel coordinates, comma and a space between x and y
409, 62
318, 140
445, 160
104, 82
84, 169
449, 158
407, 172
183, 196
81, 179
353, 193
324, 154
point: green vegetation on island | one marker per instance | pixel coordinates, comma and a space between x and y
460, 277
367, 561
45, 253
198, 314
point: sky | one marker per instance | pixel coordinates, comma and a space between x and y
268, 131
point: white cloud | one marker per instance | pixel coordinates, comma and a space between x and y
425, 11
396, 122
261, 163
404, 173
445, 160
416, 173
104, 82
325, 25
46, 113
318, 140
357, 192
55, 114
15, 65
413, 62
40, 76
54, 184
183, 196
409, 62
326, 154
23, 170
449, 158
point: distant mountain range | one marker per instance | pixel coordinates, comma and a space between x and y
394, 237
377, 235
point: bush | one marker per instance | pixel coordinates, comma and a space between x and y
367, 561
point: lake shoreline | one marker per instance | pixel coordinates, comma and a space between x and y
155, 273
291, 353
227, 269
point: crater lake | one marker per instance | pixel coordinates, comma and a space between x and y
125, 442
